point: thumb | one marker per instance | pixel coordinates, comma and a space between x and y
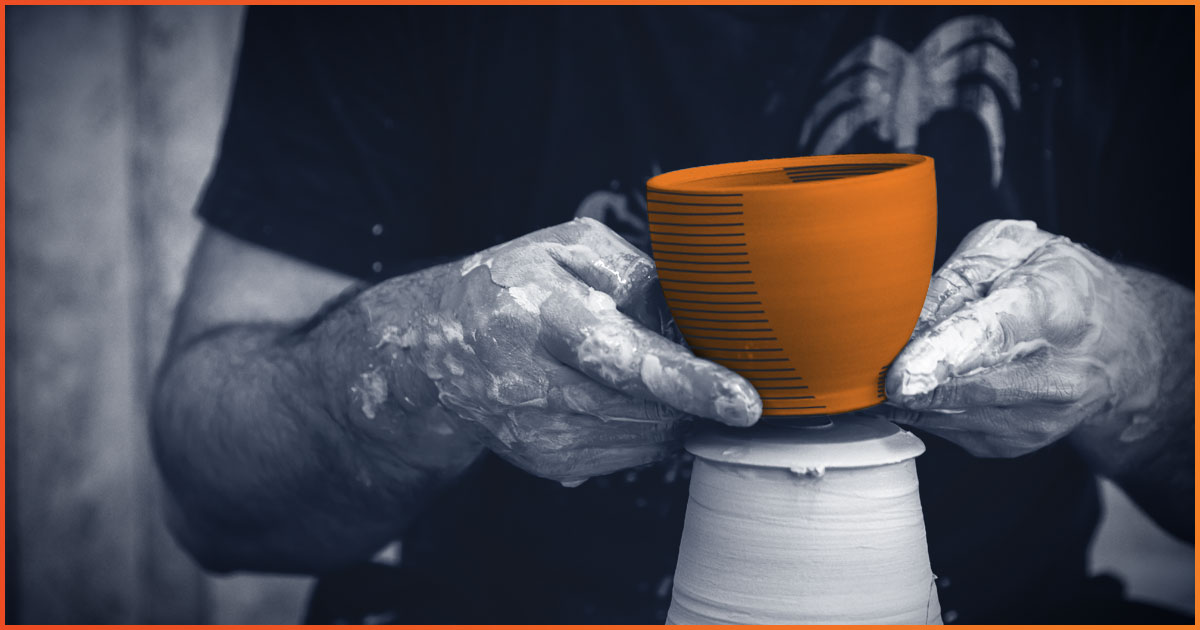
988, 332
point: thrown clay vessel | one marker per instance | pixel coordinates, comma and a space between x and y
805, 275
812, 524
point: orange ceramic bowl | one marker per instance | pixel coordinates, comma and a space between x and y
804, 275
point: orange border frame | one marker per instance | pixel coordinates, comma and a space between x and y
601, 2
3, 177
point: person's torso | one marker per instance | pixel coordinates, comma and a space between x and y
532, 117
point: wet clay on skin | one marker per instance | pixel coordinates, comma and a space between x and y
550, 348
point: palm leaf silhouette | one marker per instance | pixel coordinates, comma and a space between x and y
963, 64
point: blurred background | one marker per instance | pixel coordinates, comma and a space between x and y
112, 121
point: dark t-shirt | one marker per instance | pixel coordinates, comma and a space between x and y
374, 141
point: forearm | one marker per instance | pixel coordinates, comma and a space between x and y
1149, 451
272, 439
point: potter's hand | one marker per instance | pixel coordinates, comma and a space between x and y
550, 350
1025, 336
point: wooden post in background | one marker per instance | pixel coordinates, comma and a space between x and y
112, 124
180, 61
70, 311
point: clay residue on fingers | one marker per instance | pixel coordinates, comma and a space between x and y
740, 405
966, 342
600, 303
980, 260
529, 297
446, 348
611, 351
453, 364
519, 389
634, 265
922, 371
1012, 240
665, 383
392, 336
947, 352
623, 268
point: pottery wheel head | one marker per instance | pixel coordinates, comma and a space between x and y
809, 444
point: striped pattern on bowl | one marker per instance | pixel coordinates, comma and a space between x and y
700, 250
804, 275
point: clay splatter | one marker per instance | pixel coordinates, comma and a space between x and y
610, 351
529, 297
664, 382
392, 336
370, 392
473, 261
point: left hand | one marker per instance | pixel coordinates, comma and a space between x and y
1024, 337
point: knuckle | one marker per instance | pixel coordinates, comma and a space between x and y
1064, 390
587, 228
991, 230
588, 223
1014, 229
953, 279
611, 353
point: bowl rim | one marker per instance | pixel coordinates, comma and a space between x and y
691, 179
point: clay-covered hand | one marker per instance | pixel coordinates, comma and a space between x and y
1023, 337
550, 350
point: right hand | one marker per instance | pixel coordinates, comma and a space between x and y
550, 349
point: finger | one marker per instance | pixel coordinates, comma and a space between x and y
988, 432
1062, 278
586, 396
605, 261
987, 252
990, 331
556, 433
1032, 380
593, 462
536, 438
583, 329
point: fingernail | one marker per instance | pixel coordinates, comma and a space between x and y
739, 405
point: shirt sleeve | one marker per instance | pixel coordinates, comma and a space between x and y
322, 152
